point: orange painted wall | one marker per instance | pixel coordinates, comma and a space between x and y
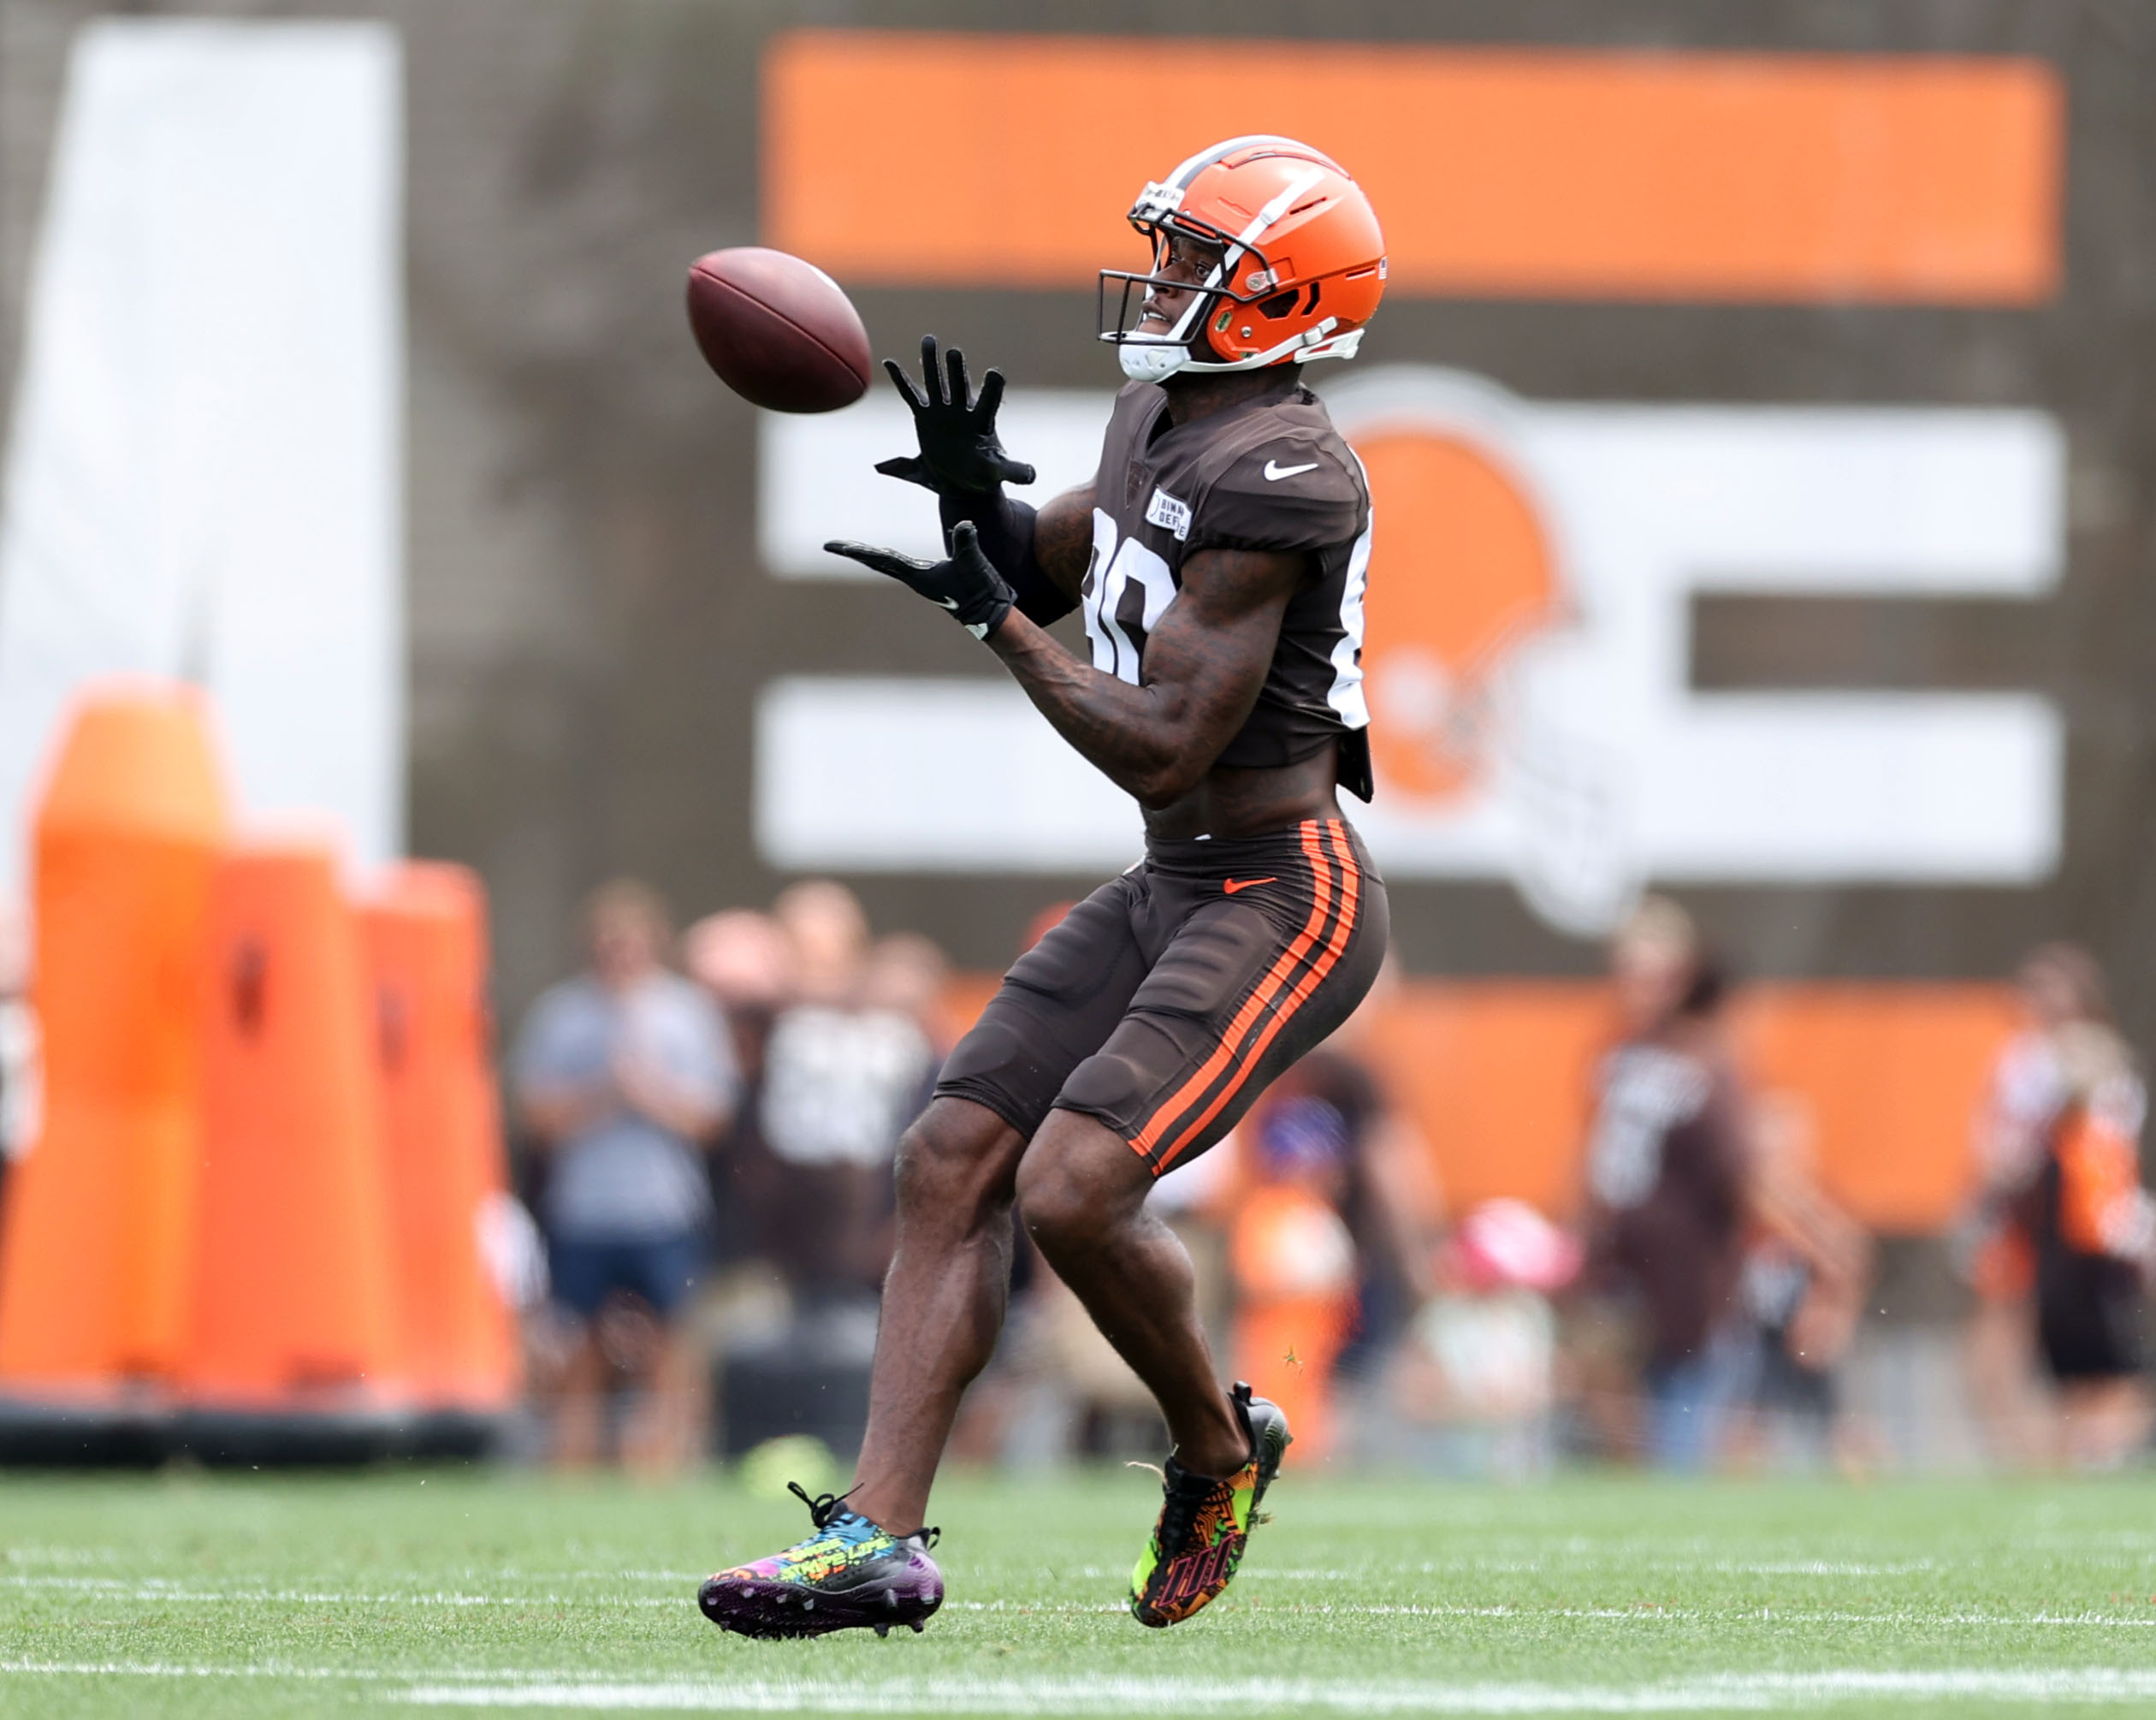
1891, 1076
1497, 1072
899, 158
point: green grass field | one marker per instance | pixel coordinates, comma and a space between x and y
445, 1590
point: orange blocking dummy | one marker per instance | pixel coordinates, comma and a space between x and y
94, 1263
426, 944
293, 1283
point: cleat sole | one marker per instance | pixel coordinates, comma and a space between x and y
781, 1612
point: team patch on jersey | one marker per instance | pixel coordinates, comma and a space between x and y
1172, 515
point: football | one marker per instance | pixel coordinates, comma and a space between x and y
777, 330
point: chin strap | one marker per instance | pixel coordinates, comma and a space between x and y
1145, 361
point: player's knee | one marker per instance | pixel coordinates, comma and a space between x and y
1055, 1201
1080, 1181
954, 1160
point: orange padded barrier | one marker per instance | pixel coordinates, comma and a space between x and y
94, 1261
293, 1282
900, 158
1498, 1076
425, 929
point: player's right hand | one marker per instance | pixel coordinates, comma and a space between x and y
960, 453
968, 584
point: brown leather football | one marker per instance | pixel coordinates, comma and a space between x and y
778, 331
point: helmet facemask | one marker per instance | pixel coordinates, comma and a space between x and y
1152, 354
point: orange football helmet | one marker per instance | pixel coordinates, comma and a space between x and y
1301, 267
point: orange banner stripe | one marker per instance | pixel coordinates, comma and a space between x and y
900, 158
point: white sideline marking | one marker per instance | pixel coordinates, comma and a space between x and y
1747, 1691
1430, 1567
1752, 1691
155, 1592
153, 1669
154, 1589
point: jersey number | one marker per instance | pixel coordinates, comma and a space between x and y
1119, 618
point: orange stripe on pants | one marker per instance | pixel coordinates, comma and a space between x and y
1254, 1005
1344, 927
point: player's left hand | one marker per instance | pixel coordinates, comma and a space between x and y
960, 453
968, 584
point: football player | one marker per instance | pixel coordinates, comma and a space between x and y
1219, 556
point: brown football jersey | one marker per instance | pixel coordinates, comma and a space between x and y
1271, 473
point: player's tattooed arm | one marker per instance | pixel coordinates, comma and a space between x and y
1204, 664
1063, 539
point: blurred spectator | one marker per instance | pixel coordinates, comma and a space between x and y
828, 933
2065, 1236
1390, 1196
1472, 1387
1294, 1262
1667, 1167
907, 974
621, 1074
1383, 1190
2094, 1230
846, 1068
2057, 987
745, 961
1807, 1268
22, 1086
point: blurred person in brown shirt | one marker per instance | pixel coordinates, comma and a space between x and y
846, 1068
1808, 1266
744, 961
1657, 1338
2061, 1240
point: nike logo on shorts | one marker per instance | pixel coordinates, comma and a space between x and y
1274, 472
1228, 887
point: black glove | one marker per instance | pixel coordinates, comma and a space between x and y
959, 453
967, 584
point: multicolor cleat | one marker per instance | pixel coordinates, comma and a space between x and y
848, 1574
1205, 1524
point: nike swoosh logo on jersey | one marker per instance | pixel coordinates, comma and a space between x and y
1228, 887
1274, 472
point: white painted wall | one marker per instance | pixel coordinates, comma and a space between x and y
1609, 770
203, 476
